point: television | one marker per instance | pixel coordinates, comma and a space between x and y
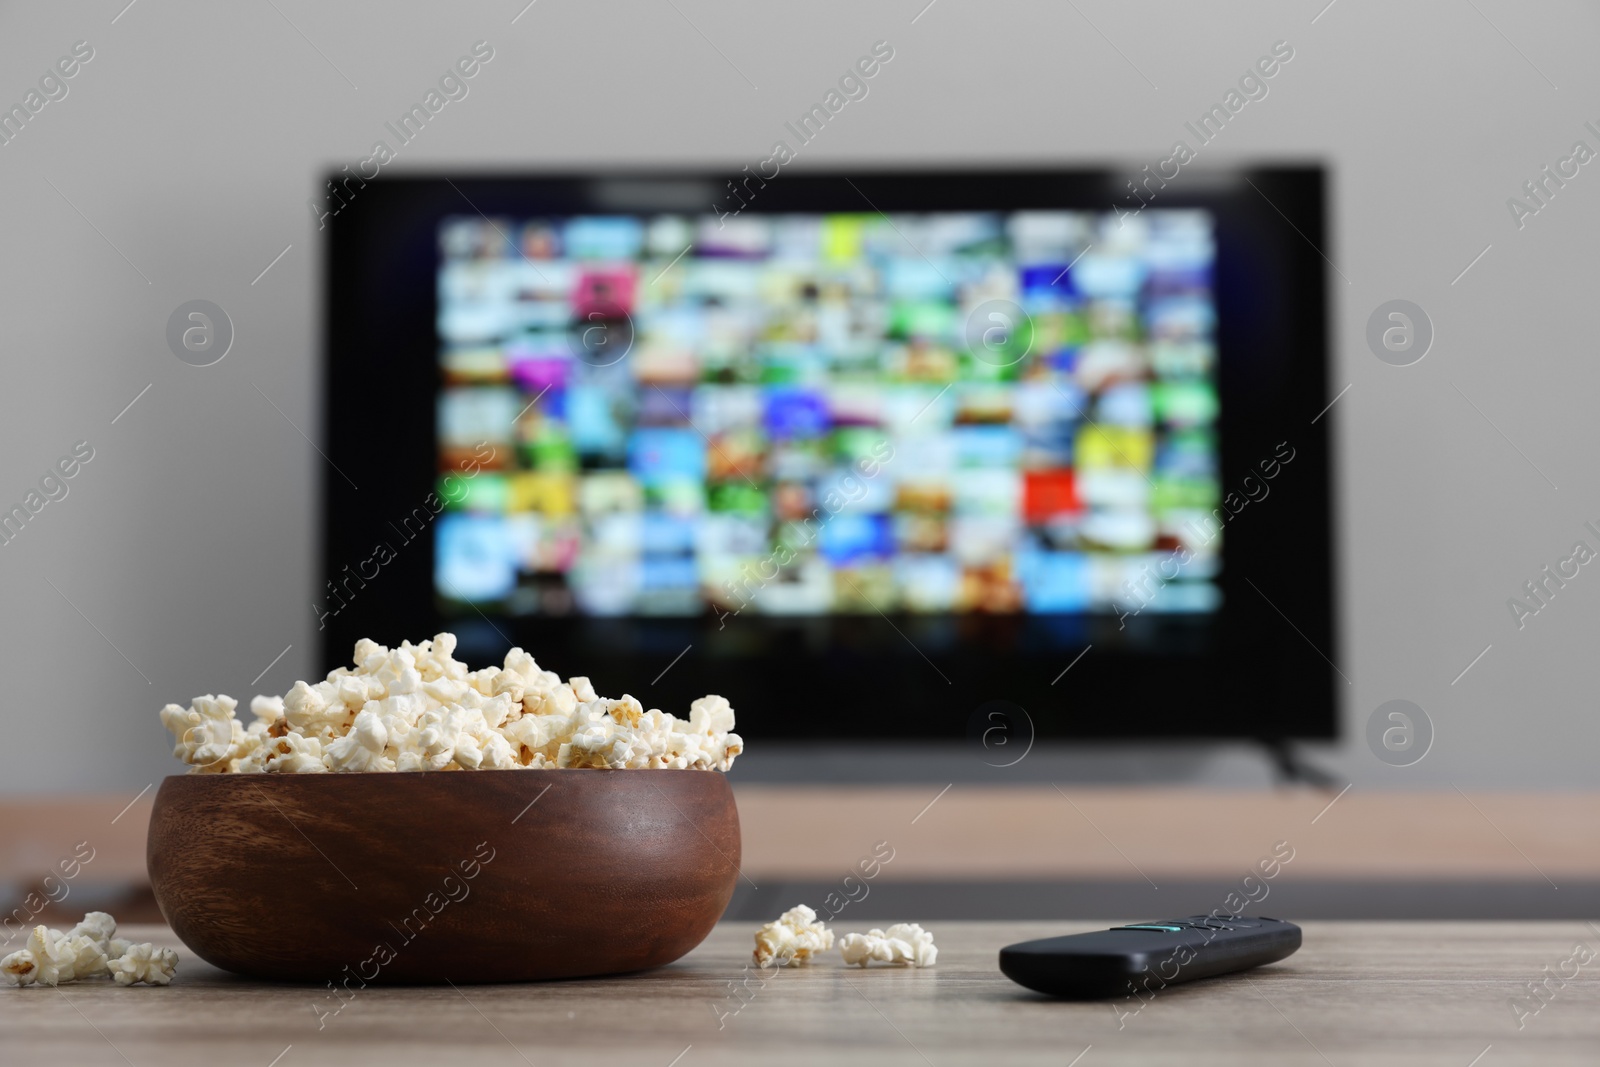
864, 452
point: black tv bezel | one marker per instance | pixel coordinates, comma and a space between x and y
1260, 668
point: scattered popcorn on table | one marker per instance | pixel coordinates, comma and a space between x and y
417, 708
144, 963
88, 950
903, 944
793, 939
51, 958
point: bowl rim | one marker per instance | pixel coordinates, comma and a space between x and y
497, 773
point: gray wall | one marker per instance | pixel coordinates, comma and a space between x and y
181, 161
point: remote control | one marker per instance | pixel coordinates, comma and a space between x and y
1145, 957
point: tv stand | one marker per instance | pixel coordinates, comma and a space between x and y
1292, 768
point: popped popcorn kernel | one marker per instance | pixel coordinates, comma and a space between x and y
144, 963
19, 968
792, 939
903, 944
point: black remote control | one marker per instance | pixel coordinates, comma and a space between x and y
1145, 957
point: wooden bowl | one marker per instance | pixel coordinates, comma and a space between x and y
470, 876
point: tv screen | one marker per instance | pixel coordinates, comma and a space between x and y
803, 414
863, 452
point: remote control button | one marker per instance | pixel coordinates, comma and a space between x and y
1168, 928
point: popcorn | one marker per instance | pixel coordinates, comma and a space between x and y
144, 963
51, 958
19, 968
313, 710
206, 731
711, 715
902, 944
435, 659
793, 939
362, 748
292, 753
562, 700
417, 708
267, 710
88, 950
541, 734
98, 925
476, 743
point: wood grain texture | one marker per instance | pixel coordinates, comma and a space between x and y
1367, 994
478, 876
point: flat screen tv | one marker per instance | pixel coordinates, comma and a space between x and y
861, 451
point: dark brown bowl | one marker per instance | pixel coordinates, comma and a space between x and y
470, 876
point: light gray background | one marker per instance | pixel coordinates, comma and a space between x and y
193, 139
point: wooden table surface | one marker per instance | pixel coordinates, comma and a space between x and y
1367, 994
